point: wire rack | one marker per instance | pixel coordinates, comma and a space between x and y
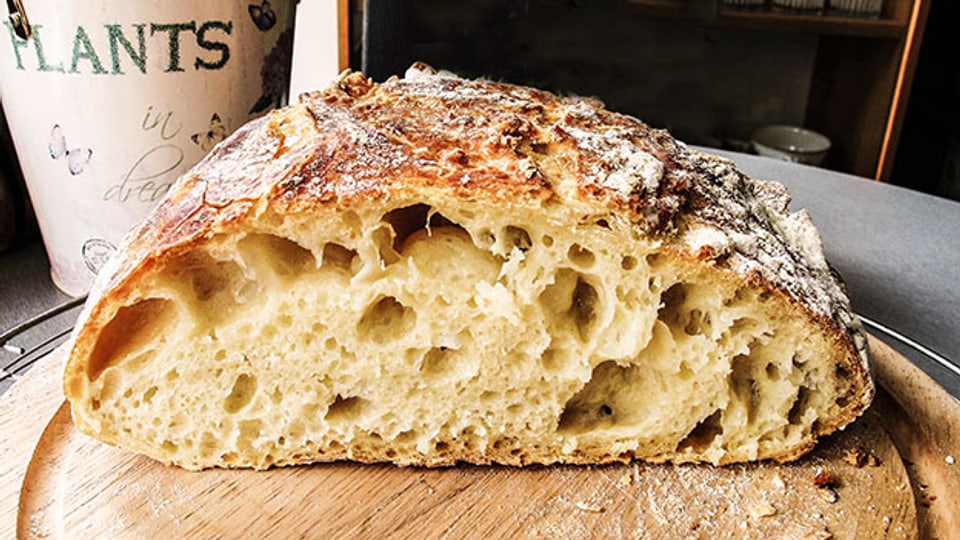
52, 327
30, 340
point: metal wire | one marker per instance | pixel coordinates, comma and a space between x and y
27, 356
938, 358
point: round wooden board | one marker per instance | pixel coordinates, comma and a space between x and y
76, 487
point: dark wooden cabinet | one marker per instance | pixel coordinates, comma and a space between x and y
861, 75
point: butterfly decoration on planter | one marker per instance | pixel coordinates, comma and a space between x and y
262, 15
214, 134
77, 158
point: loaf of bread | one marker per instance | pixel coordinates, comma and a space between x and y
435, 270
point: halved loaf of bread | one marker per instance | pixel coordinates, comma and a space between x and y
433, 270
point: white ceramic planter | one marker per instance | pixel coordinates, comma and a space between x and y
109, 101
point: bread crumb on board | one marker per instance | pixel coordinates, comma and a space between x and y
763, 509
825, 479
592, 508
826, 482
858, 457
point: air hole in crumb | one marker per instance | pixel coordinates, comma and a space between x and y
603, 223
584, 307
799, 407
671, 305
244, 388
602, 402
284, 257
628, 262
148, 395
697, 323
488, 396
571, 299
383, 238
406, 436
386, 320
744, 386
654, 259
438, 361
517, 237
547, 240
404, 221
131, 330
682, 318
249, 431
168, 447
773, 372
556, 360
703, 434
346, 409
209, 444
486, 239
337, 256
581, 256
409, 219
442, 447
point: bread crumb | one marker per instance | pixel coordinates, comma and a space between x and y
858, 457
590, 507
828, 494
824, 478
950, 460
762, 509
779, 482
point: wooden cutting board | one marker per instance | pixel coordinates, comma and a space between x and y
75, 487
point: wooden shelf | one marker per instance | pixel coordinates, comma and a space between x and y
772, 21
710, 14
